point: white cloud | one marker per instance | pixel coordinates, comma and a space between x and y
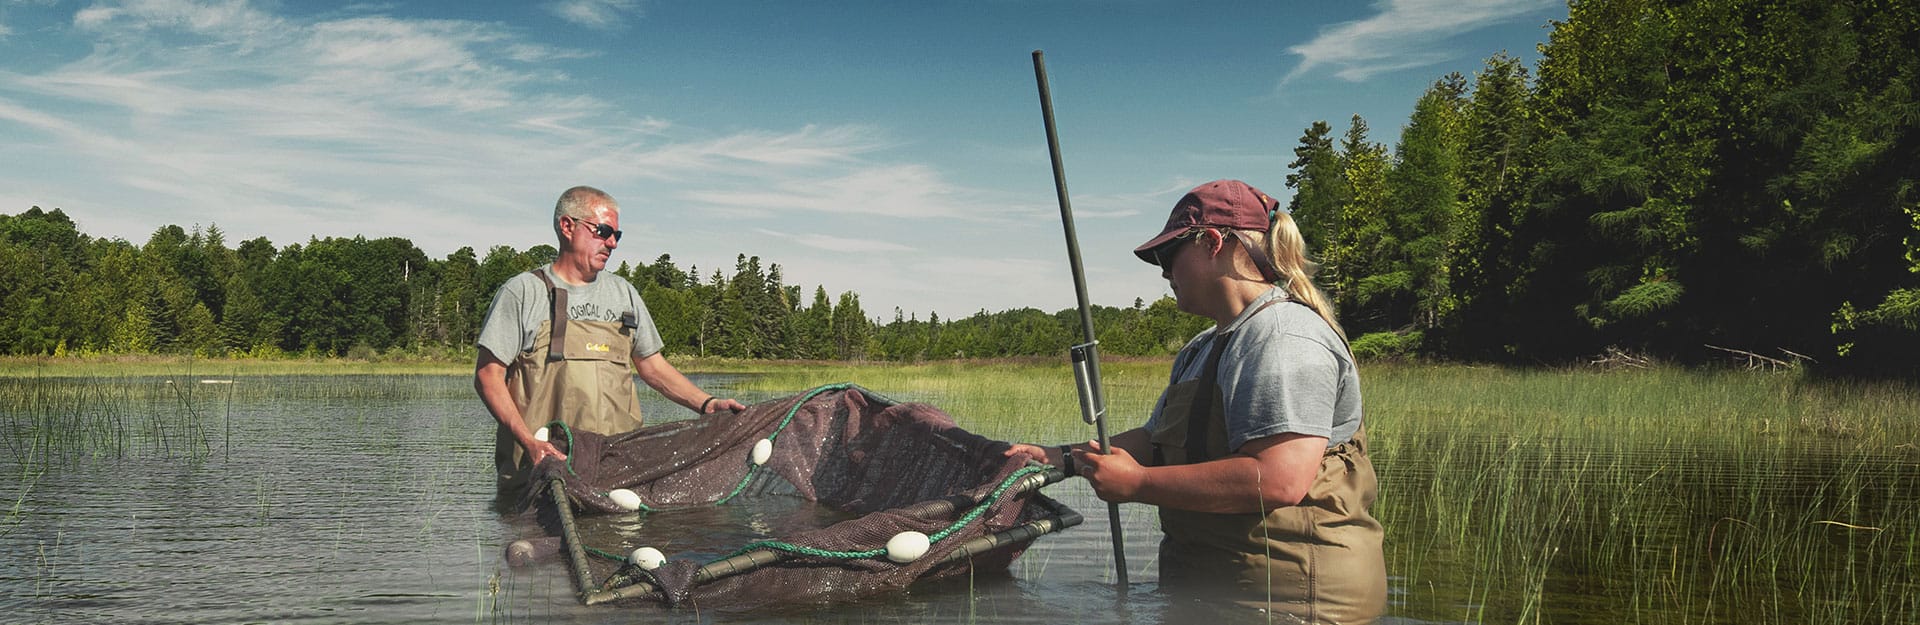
227, 22
740, 153
376, 125
1405, 34
836, 244
597, 14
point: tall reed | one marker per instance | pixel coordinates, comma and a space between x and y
1570, 496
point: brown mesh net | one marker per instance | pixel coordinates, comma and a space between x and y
886, 468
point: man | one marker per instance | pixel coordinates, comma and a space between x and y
557, 343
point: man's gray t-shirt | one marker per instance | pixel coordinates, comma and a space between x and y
523, 302
1284, 370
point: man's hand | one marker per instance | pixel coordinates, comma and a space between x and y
1032, 451
720, 404
541, 450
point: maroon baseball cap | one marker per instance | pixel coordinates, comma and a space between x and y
1219, 204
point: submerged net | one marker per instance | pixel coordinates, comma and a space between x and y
884, 467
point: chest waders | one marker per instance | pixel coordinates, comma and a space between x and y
579, 373
1320, 560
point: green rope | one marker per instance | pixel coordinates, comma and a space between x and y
985, 503
569, 432
936, 537
604, 554
754, 468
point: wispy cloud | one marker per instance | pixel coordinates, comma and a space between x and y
738, 153
596, 14
230, 21
1405, 34
332, 126
836, 244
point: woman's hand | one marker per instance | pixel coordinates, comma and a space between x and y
1115, 477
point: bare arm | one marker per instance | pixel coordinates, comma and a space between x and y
1134, 441
663, 377
1265, 473
490, 381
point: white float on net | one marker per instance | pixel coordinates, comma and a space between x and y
626, 499
907, 546
647, 558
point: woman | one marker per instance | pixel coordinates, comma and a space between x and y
1255, 454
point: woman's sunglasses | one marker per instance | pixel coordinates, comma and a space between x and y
1163, 256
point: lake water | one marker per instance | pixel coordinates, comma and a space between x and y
359, 500
367, 500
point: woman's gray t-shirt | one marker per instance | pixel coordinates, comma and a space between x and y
1284, 370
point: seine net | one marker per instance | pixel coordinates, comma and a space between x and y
887, 468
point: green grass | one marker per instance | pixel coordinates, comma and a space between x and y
1569, 496
1686, 496
1006, 399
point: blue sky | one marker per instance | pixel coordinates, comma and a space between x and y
890, 148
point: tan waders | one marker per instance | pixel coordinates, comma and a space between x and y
1320, 560
579, 373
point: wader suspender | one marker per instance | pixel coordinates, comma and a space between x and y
1201, 413
556, 344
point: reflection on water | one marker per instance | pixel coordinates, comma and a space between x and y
368, 500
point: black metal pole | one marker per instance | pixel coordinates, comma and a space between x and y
1093, 401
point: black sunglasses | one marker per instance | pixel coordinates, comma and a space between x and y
601, 231
1163, 255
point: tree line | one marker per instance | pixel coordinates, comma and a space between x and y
186, 292
1674, 179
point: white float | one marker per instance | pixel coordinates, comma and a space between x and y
521, 553
540, 434
626, 499
906, 547
647, 558
762, 451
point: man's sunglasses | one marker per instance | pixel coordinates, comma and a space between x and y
600, 231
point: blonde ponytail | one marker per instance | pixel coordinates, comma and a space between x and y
1288, 250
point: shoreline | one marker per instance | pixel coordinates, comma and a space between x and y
154, 365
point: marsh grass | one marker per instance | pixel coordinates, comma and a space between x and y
1569, 496
152, 366
1688, 496
1004, 399
48, 420
183, 414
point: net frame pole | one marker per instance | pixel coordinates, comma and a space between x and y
576, 552
1025, 532
620, 587
1093, 402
